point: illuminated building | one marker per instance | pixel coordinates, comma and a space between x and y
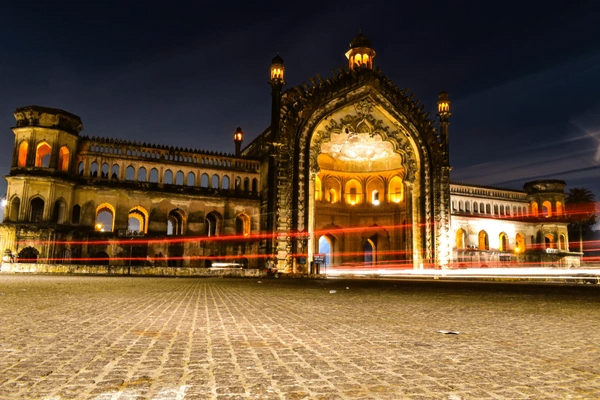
350, 166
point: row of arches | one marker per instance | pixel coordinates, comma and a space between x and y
543, 240
353, 192
168, 156
138, 217
43, 151
474, 207
547, 209
138, 221
168, 178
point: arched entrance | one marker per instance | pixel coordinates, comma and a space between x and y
28, 255
325, 247
362, 178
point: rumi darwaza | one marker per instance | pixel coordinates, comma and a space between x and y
350, 172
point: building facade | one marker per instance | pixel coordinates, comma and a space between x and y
351, 169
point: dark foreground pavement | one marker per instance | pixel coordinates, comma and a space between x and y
64, 337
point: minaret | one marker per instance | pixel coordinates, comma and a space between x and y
444, 116
360, 54
238, 138
276, 82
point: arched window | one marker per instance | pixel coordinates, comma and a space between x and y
484, 243
22, 158
63, 158
204, 181
137, 220
503, 242
354, 192
105, 218
42, 155
238, 183
104, 171
332, 196
115, 172
242, 225
215, 182
520, 243
76, 214
488, 209
130, 173
534, 209
225, 182
175, 222
369, 255
396, 190
212, 222
559, 209
142, 174
254, 185
36, 210
562, 242
15, 206
547, 209
60, 211
549, 241
168, 177
153, 175
460, 239
375, 197
80, 168
94, 170
191, 179
179, 178
468, 206
246, 184
475, 207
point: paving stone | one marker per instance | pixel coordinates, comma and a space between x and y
72, 337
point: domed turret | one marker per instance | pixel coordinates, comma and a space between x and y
360, 54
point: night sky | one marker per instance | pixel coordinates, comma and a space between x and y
523, 77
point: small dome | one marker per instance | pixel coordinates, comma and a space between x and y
360, 41
277, 60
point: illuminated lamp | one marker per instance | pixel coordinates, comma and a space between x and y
277, 69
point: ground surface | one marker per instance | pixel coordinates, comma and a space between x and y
65, 337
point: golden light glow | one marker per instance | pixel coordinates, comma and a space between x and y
43, 150
23, 148
277, 71
547, 209
63, 159
318, 192
238, 136
534, 209
460, 239
396, 190
519, 243
443, 106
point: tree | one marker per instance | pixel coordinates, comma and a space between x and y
581, 211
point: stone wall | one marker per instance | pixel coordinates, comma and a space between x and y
39, 268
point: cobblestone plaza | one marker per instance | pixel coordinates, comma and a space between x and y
71, 337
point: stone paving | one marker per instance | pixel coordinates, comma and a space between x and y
73, 337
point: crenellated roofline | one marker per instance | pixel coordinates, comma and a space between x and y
172, 149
